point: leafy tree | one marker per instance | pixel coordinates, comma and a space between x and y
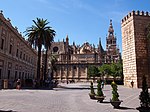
116, 70
144, 95
40, 34
104, 69
92, 71
120, 69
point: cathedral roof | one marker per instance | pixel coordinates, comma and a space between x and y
86, 47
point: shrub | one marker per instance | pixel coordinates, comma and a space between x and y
144, 95
92, 89
99, 89
115, 95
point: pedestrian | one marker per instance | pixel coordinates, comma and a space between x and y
132, 84
18, 84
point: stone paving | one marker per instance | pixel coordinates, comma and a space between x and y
68, 98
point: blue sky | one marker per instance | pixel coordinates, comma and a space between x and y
81, 20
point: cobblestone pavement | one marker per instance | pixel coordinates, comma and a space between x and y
69, 98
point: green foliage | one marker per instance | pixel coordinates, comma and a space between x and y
92, 88
99, 89
92, 71
40, 34
144, 95
115, 95
116, 70
104, 69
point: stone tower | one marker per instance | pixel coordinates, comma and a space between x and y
112, 52
135, 48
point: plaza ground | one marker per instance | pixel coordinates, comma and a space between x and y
67, 98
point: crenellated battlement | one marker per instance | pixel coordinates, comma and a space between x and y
135, 13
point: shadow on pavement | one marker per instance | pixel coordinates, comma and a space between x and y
106, 102
125, 108
7, 111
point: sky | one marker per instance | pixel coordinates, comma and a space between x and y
82, 20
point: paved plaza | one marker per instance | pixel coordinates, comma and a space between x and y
67, 98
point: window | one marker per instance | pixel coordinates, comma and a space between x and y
74, 67
8, 74
2, 44
110, 41
114, 42
23, 56
55, 49
10, 49
20, 54
17, 53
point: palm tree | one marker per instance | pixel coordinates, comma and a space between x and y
40, 34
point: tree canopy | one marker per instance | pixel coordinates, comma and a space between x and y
114, 70
104, 69
92, 71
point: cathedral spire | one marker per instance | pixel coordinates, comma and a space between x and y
110, 21
111, 30
99, 40
100, 46
67, 40
73, 43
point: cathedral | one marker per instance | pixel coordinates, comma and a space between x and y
73, 60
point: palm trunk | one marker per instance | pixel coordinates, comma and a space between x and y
45, 66
39, 63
